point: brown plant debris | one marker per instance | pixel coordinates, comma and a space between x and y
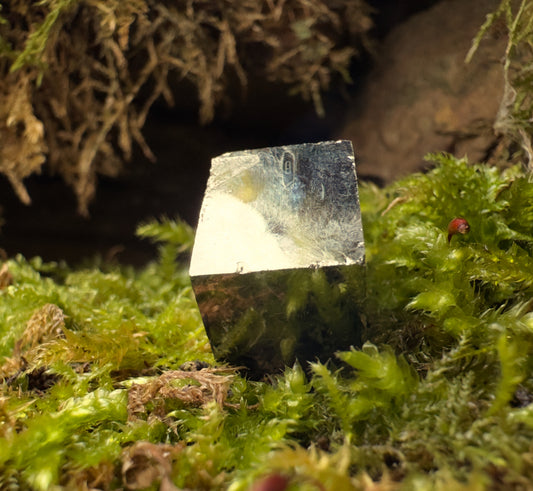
6, 278
93, 478
78, 77
205, 385
144, 464
46, 324
23, 147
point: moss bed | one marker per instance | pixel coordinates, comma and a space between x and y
108, 380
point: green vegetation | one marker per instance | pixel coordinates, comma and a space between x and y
108, 378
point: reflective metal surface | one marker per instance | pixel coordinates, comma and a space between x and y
277, 265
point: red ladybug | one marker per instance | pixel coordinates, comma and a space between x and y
457, 226
272, 482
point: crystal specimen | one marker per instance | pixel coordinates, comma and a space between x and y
278, 260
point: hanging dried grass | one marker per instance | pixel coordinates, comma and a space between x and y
22, 144
145, 463
79, 76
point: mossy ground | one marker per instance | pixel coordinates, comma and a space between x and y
109, 381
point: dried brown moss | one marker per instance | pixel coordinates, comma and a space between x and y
205, 385
513, 123
79, 76
46, 324
6, 278
145, 463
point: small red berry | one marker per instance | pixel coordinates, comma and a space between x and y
272, 482
457, 226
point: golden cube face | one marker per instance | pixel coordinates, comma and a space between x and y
278, 260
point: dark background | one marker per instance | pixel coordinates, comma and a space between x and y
266, 116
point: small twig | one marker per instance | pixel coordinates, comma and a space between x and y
396, 201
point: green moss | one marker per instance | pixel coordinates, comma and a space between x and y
37, 41
438, 397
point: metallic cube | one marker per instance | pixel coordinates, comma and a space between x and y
278, 261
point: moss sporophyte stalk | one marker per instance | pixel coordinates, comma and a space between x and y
458, 226
109, 381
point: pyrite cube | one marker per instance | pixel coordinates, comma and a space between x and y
277, 266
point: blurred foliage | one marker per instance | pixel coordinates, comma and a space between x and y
78, 77
514, 19
108, 378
